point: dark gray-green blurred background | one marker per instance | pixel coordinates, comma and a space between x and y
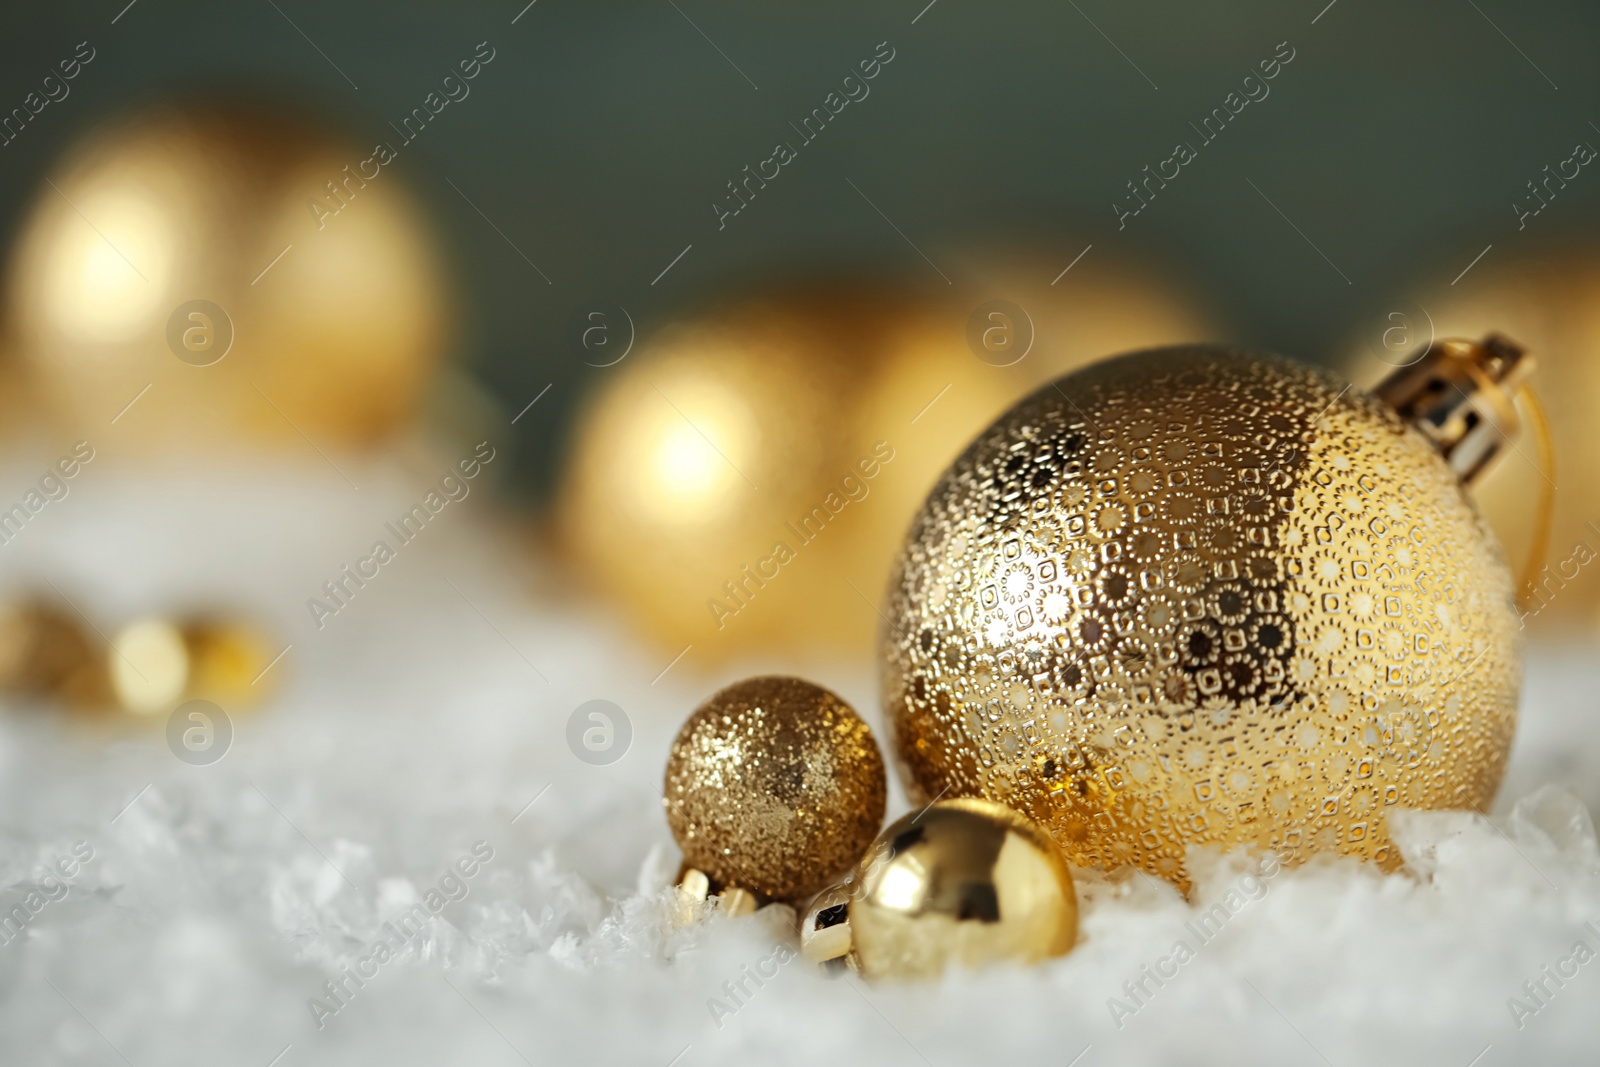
597, 140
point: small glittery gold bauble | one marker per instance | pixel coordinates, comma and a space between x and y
744, 476
965, 882
206, 275
1196, 596
1551, 304
46, 651
774, 785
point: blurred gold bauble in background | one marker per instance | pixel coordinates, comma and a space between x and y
1551, 304
154, 663
966, 883
227, 658
1195, 596
744, 479
775, 786
45, 651
145, 668
330, 320
694, 449
19, 409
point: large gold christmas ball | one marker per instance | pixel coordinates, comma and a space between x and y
964, 882
1197, 596
774, 785
203, 274
1551, 304
743, 481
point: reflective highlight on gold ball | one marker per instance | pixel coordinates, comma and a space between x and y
965, 883
1198, 596
261, 278
776, 786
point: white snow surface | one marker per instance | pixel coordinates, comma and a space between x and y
430, 716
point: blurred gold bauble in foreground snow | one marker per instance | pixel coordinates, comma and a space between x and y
744, 479
1551, 304
1193, 596
46, 651
197, 264
154, 663
144, 668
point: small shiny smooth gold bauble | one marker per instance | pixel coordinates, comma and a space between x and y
1197, 596
1550, 303
744, 475
149, 665
774, 785
247, 278
963, 882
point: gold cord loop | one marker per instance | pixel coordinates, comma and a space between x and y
1539, 547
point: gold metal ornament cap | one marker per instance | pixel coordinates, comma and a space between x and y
776, 786
966, 882
825, 928
1459, 394
1199, 596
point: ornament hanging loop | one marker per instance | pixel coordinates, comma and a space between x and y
1545, 516
1460, 394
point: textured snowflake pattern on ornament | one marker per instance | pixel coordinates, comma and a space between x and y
1197, 596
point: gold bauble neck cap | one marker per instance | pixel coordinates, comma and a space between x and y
1458, 393
1461, 395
